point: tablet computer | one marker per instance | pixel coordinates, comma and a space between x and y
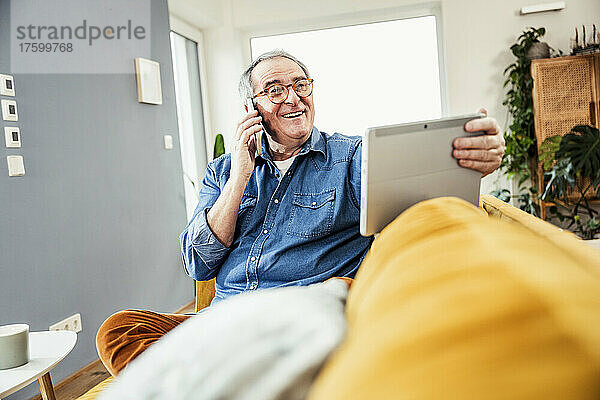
407, 163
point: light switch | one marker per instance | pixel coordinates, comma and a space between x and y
15, 165
7, 85
12, 136
9, 110
168, 142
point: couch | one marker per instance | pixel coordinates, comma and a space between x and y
471, 303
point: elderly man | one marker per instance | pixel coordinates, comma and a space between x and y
289, 216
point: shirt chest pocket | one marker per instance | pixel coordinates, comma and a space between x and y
312, 214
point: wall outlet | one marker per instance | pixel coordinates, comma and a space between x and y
72, 323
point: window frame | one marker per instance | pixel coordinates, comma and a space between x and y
188, 31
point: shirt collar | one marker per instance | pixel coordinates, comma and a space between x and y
314, 143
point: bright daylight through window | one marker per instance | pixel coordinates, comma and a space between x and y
367, 75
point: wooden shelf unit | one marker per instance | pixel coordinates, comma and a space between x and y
566, 92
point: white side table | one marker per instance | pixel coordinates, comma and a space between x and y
46, 350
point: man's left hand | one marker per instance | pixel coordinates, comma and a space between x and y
481, 153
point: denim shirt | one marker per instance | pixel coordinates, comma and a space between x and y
298, 229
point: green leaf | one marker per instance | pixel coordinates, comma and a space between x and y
548, 150
582, 148
219, 146
523, 179
560, 180
502, 194
513, 65
593, 224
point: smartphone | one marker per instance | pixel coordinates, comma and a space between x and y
258, 135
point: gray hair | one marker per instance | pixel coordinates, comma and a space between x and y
245, 86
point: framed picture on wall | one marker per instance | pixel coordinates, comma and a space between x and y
147, 74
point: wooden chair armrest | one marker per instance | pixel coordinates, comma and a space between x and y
205, 292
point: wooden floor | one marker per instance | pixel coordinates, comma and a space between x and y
80, 382
89, 376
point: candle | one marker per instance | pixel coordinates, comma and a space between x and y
14, 345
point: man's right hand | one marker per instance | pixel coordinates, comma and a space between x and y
222, 216
242, 153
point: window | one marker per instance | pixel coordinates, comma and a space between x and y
370, 74
190, 116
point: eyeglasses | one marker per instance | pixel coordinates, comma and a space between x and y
278, 93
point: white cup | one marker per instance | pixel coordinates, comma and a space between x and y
14, 345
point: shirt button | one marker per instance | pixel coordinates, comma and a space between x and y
314, 203
265, 231
252, 258
275, 201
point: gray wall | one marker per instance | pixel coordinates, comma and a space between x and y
92, 227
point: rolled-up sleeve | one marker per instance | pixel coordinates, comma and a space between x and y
202, 252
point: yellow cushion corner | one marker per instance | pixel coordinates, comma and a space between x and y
450, 303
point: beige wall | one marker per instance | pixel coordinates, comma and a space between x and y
476, 39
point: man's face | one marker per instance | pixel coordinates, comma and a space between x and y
276, 117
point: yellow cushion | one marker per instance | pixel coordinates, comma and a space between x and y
451, 304
96, 390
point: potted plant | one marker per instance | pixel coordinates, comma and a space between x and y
520, 158
572, 173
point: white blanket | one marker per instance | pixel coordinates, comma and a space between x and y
262, 345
